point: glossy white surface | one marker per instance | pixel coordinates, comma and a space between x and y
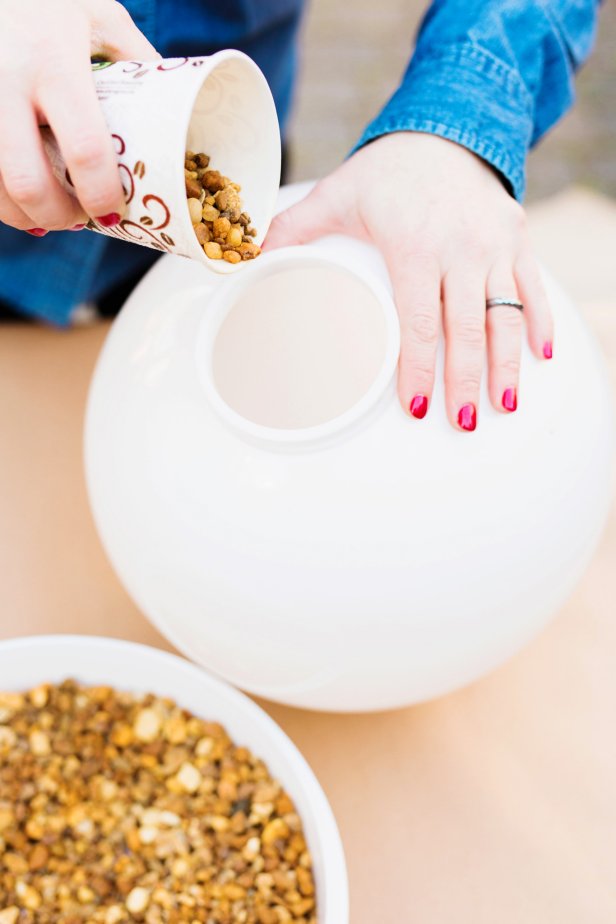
27, 662
368, 562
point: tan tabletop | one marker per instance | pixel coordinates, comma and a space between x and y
496, 805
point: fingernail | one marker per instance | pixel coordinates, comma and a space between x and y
547, 349
510, 399
77, 228
108, 221
467, 417
37, 232
419, 407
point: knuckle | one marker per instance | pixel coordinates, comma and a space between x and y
518, 216
26, 188
470, 330
86, 151
469, 383
423, 326
476, 250
423, 374
98, 205
511, 366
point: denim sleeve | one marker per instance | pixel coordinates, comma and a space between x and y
493, 76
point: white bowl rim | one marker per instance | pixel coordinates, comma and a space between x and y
333, 898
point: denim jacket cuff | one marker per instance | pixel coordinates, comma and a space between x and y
468, 96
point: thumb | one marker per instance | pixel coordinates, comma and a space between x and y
311, 218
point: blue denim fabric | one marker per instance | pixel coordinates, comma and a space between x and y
492, 75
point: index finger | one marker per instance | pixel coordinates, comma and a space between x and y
416, 281
67, 97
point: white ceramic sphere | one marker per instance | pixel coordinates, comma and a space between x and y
363, 563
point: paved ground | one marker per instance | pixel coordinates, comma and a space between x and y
353, 56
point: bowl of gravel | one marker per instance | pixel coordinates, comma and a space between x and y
135, 786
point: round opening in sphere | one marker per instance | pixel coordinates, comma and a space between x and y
299, 347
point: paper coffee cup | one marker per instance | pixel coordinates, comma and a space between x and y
220, 104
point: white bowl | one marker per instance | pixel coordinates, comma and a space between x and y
27, 662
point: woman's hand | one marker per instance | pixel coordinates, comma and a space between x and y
46, 79
450, 235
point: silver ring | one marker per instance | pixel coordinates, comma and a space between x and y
496, 302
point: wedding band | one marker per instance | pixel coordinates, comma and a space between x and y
496, 302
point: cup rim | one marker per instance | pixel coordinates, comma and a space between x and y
222, 300
333, 884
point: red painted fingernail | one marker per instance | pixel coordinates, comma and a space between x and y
108, 221
510, 399
547, 349
37, 232
467, 417
419, 407
77, 228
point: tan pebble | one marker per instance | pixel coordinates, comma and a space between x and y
284, 915
6, 819
38, 857
11, 702
203, 233
275, 830
302, 907
252, 848
264, 882
232, 256
147, 725
162, 898
228, 200
188, 776
218, 822
8, 738
262, 809
151, 816
148, 835
305, 882
234, 237
39, 743
213, 250
194, 207
34, 829
221, 227
107, 790
233, 892
137, 900
179, 868
113, 914
28, 896
122, 735
85, 895
39, 696
15, 863
170, 819
210, 213
9, 915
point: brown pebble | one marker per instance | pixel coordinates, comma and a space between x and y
38, 857
232, 256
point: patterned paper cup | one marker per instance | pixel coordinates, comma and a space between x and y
220, 104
